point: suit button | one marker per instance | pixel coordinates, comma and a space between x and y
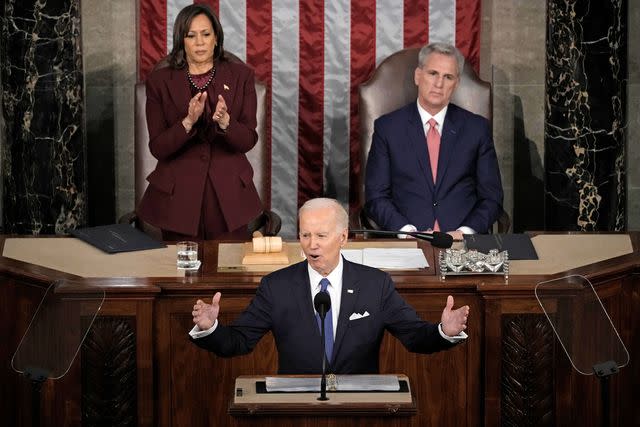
204, 158
435, 204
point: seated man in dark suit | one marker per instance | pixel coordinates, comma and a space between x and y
432, 165
365, 303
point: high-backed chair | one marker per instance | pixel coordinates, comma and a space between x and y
268, 223
391, 87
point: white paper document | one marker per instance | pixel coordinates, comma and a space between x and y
388, 258
334, 382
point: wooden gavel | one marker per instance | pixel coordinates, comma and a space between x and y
263, 244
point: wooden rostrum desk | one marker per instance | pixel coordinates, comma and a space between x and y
137, 366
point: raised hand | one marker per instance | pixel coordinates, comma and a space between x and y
205, 315
221, 115
196, 107
454, 321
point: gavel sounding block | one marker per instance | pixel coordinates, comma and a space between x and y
265, 250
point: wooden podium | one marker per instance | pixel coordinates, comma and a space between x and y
162, 380
251, 407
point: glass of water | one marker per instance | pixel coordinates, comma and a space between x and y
187, 255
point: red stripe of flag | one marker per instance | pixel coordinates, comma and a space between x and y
468, 30
259, 56
416, 23
311, 100
153, 35
363, 62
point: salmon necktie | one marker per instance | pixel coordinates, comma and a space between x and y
433, 145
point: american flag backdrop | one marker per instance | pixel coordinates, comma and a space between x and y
313, 54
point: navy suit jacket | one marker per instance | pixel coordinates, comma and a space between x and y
399, 187
283, 305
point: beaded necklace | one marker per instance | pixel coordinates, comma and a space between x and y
212, 74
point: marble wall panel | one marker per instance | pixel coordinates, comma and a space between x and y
2, 134
633, 117
43, 157
585, 180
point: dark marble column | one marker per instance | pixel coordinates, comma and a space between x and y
43, 158
585, 169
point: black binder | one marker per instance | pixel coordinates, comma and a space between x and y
116, 238
519, 246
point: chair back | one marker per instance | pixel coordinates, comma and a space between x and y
145, 163
392, 86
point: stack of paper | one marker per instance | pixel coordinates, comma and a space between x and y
388, 258
342, 383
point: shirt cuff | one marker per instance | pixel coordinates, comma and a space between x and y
408, 227
466, 230
196, 332
457, 338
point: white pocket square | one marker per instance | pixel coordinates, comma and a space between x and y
356, 316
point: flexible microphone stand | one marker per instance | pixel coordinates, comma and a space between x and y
438, 239
322, 303
323, 378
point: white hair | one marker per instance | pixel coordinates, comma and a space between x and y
342, 217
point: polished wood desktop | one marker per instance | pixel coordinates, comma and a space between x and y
138, 367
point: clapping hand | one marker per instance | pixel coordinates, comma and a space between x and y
196, 107
205, 315
454, 321
221, 115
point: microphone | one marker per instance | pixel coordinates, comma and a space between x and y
322, 304
437, 238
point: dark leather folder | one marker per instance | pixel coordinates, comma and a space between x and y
116, 238
519, 246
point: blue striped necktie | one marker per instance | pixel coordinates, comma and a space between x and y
328, 324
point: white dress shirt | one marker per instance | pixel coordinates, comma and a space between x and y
334, 289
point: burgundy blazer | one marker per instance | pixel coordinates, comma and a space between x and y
173, 199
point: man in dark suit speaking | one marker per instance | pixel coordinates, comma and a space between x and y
432, 165
364, 303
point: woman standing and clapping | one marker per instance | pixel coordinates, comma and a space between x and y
201, 116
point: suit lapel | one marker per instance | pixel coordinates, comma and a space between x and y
448, 142
418, 143
302, 291
222, 85
179, 89
350, 292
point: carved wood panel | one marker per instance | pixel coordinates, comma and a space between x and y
109, 373
527, 385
